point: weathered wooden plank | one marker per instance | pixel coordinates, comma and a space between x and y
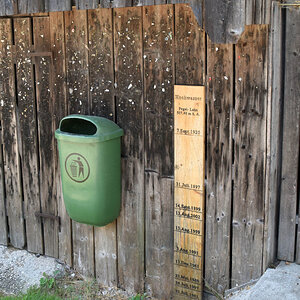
258, 11
177, 1
78, 102
158, 82
42, 43
12, 169
290, 139
274, 134
294, 14
57, 5
58, 80
158, 33
28, 129
87, 4
115, 3
159, 235
249, 154
8, 7
189, 47
105, 3
77, 60
3, 217
144, 2
9, 160
32, 6
219, 165
101, 73
197, 10
129, 103
224, 20
101, 81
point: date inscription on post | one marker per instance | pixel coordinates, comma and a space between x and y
189, 161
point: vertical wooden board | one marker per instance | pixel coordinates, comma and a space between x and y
87, 4
83, 249
219, 165
28, 129
42, 40
78, 102
12, 170
101, 80
77, 61
249, 154
3, 218
101, 64
7, 7
106, 254
146, 2
159, 235
10, 189
178, 1
115, 3
189, 173
258, 11
290, 140
190, 47
158, 34
58, 80
32, 6
58, 5
224, 20
129, 104
197, 7
274, 123
158, 81
105, 3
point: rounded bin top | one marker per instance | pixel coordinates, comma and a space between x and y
87, 129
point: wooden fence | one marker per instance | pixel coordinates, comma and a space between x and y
122, 64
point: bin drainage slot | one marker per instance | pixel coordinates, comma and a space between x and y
78, 126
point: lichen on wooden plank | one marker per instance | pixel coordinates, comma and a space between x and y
158, 35
76, 33
44, 91
219, 165
28, 130
102, 102
57, 33
129, 106
251, 62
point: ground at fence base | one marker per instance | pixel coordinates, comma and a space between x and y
21, 270
276, 284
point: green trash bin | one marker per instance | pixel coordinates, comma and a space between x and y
90, 163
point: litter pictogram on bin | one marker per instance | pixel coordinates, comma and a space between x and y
77, 167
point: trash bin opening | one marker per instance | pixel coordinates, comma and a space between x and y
78, 126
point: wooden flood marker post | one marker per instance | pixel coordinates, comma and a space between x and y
189, 139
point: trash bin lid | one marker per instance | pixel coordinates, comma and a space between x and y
87, 129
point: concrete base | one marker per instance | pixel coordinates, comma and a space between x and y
276, 284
